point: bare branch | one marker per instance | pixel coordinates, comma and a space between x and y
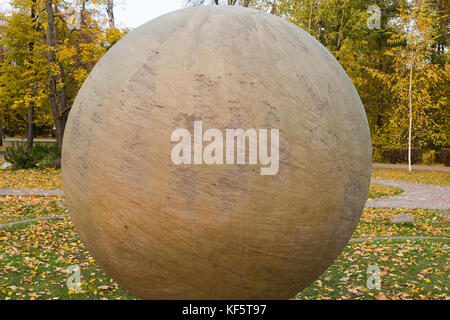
110, 12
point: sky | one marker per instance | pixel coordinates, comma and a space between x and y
133, 13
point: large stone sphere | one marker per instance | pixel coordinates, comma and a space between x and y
169, 223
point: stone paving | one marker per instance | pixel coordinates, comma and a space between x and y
415, 195
26, 192
13, 223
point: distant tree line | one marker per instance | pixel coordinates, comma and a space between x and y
401, 69
48, 47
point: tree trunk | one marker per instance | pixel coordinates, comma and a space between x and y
273, 10
246, 3
310, 15
110, 12
1, 133
62, 105
58, 114
30, 114
410, 115
30, 127
338, 46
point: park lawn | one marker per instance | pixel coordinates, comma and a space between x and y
409, 269
378, 190
441, 178
37, 179
376, 222
34, 262
35, 257
16, 208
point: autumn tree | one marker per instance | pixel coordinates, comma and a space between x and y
46, 57
2, 51
419, 116
110, 12
244, 3
22, 97
400, 70
71, 54
377, 61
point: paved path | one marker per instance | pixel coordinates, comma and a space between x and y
415, 195
25, 140
26, 192
13, 223
414, 167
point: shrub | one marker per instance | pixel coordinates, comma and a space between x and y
398, 155
429, 157
444, 157
42, 155
377, 156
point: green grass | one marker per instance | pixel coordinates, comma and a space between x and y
441, 178
410, 269
378, 190
376, 222
43, 179
34, 262
35, 257
16, 208
414, 269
